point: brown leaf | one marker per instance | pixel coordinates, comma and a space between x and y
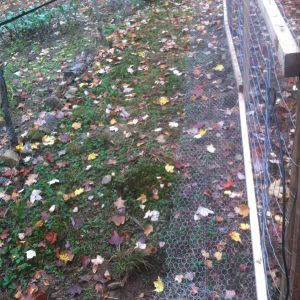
85, 260
118, 220
244, 210
148, 229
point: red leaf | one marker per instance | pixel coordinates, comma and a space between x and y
51, 237
228, 184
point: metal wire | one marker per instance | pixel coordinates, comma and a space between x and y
269, 142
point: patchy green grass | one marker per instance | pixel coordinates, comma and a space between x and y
132, 157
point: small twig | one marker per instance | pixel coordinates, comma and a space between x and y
136, 221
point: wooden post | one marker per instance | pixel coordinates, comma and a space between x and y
292, 246
5, 108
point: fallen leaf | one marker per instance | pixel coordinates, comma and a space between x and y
235, 236
65, 256
219, 68
210, 148
76, 125
244, 226
153, 215
163, 101
74, 290
53, 181
78, 192
219, 219
31, 179
201, 133
142, 198
228, 184
85, 260
35, 196
116, 239
244, 210
92, 156
169, 168
148, 229
51, 237
159, 285
118, 220
98, 260
208, 263
218, 255
179, 278
230, 294
119, 204
48, 140
30, 254
173, 124
205, 253
202, 212
278, 219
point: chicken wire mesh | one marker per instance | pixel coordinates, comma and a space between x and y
271, 102
193, 272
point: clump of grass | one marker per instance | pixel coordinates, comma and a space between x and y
142, 178
125, 263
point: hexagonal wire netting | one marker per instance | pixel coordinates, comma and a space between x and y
271, 106
191, 245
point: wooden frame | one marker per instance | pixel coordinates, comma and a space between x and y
287, 49
260, 274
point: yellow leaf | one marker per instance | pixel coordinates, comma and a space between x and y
244, 210
163, 101
219, 68
20, 147
201, 133
48, 140
39, 224
113, 121
142, 198
35, 146
92, 156
76, 125
159, 285
235, 236
218, 255
78, 191
65, 256
141, 54
169, 168
278, 219
244, 226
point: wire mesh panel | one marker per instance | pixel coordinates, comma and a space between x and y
270, 101
194, 272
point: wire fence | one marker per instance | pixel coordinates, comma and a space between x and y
271, 102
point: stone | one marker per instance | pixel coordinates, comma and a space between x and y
106, 179
10, 157
51, 123
53, 103
70, 93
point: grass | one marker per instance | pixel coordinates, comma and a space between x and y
130, 178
